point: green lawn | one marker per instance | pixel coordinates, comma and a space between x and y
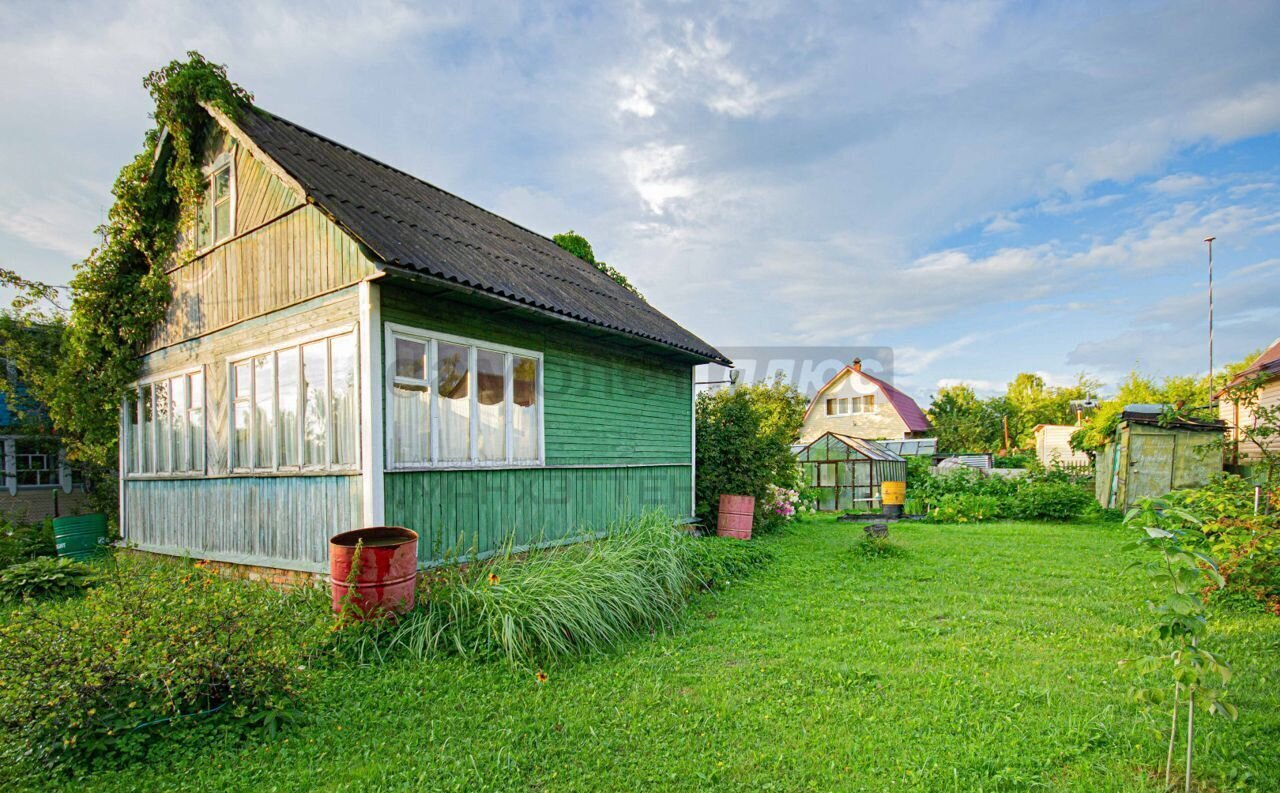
981, 658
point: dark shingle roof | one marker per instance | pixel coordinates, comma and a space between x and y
419, 227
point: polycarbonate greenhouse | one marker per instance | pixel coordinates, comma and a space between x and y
848, 471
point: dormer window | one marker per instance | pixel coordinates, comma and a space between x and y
215, 221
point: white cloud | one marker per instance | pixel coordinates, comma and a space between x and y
654, 171
1176, 183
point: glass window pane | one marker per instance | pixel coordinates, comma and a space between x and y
411, 359
131, 432
342, 357
178, 451
195, 419
222, 184
243, 384
491, 399
163, 433
263, 415
195, 390
287, 405
524, 408
315, 408
452, 368
145, 431
243, 389
831, 407
410, 408
221, 221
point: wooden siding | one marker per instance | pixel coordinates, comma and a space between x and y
299, 256
282, 521
260, 195
463, 513
1237, 416
605, 404
335, 310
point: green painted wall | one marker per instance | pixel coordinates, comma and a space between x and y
617, 428
462, 513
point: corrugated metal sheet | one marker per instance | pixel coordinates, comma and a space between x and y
412, 224
282, 521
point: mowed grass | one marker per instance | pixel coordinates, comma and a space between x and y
980, 658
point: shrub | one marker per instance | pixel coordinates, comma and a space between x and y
744, 446
44, 577
1049, 500
1248, 545
715, 561
21, 543
965, 508
152, 643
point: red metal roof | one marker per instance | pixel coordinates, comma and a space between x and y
903, 405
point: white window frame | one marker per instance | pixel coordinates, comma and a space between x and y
132, 455
295, 343
431, 338
859, 400
228, 161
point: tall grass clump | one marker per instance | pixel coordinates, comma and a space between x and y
555, 602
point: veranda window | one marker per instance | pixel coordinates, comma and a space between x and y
455, 402
294, 408
163, 425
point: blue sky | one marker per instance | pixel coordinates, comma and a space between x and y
985, 187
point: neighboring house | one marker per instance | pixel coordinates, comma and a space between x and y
1053, 445
856, 404
352, 346
1267, 367
37, 481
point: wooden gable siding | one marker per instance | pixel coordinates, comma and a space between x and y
261, 197
605, 404
296, 257
283, 251
1237, 416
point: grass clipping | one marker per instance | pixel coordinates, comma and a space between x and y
558, 602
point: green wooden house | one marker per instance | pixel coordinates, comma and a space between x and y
353, 346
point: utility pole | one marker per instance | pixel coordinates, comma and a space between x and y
1209, 242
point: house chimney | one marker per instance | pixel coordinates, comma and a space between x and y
857, 364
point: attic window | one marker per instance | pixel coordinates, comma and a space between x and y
847, 406
215, 222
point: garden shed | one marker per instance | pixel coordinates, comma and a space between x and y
1150, 455
848, 471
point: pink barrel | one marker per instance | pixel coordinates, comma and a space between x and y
736, 516
387, 574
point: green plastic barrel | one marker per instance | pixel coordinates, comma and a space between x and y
80, 536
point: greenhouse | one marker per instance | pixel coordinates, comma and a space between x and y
848, 471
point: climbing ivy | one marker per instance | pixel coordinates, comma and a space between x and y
80, 365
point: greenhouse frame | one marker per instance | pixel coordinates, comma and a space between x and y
849, 471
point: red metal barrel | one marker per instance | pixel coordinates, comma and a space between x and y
736, 516
388, 569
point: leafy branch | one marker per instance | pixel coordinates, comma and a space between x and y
1179, 572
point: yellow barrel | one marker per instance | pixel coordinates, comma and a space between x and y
893, 493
